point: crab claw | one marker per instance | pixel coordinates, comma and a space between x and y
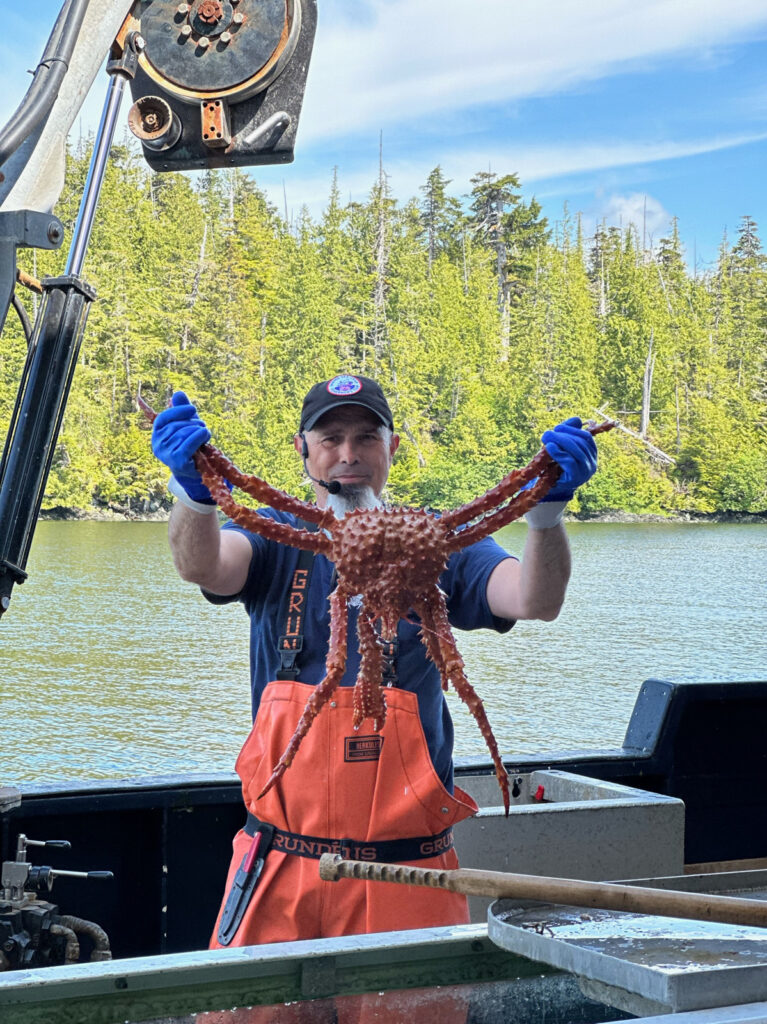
275, 777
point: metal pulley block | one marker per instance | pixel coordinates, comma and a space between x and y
219, 83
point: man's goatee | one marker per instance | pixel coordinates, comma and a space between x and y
353, 496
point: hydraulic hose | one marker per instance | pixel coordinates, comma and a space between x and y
72, 948
96, 934
47, 80
26, 323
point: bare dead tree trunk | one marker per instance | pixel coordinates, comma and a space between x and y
505, 331
406, 430
501, 257
655, 453
649, 368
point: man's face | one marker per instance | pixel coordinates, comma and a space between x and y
347, 445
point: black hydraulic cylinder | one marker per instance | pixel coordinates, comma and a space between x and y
36, 421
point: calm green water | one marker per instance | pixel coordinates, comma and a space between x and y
110, 666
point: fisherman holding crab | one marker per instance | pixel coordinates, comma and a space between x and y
379, 796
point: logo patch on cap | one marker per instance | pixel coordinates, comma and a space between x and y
345, 384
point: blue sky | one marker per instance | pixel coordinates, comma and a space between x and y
624, 109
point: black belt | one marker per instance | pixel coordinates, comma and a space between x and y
387, 851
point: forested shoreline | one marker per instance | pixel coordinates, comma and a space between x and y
484, 323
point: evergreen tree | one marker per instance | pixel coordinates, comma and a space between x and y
482, 330
440, 215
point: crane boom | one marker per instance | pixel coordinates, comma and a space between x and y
215, 83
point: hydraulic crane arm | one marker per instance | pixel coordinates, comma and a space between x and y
215, 83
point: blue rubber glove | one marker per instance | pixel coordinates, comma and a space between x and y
575, 450
176, 435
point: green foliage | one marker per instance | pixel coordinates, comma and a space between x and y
483, 325
626, 481
743, 484
724, 463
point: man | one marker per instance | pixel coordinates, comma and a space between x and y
376, 796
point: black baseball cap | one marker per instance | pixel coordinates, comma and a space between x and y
345, 389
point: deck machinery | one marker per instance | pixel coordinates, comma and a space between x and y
214, 83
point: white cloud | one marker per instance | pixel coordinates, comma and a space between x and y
532, 163
401, 61
544, 162
647, 214
416, 57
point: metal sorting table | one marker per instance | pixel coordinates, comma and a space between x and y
644, 964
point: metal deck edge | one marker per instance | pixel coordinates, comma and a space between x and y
146, 988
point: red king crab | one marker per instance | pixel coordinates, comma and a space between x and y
393, 558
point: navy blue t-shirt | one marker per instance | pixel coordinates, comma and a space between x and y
464, 583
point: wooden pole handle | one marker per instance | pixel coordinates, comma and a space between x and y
569, 891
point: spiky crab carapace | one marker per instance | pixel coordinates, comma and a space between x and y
393, 558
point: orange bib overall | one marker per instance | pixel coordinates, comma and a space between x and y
361, 787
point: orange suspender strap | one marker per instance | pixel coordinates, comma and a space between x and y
291, 643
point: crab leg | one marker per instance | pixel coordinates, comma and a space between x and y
541, 465
336, 663
434, 617
210, 460
509, 486
517, 507
369, 700
248, 518
431, 642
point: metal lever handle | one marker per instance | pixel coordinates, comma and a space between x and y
45, 876
56, 873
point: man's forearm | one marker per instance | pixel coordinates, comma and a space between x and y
195, 543
544, 572
533, 588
